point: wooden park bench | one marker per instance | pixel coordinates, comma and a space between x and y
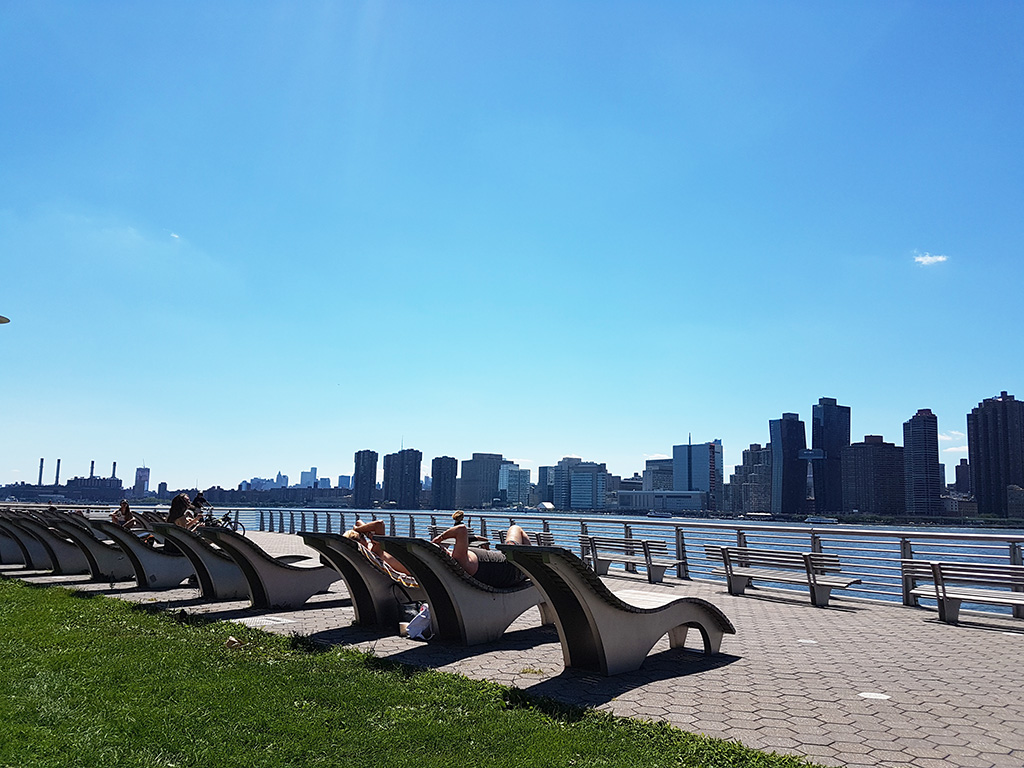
817, 570
598, 629
652, 555
955, 583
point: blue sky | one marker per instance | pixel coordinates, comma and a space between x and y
238, 238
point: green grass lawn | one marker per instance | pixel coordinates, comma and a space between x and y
100, 682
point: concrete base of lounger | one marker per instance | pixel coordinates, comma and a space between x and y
33, 553
107, 562
218, 574
10, 550
376, 597
272, 582
600, 632
154, 569
462, 609
67, 557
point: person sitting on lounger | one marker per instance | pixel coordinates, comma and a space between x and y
124, 517
482, 564
181, 507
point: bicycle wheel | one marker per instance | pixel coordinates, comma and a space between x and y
237, 527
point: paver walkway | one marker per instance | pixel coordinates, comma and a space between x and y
857, 684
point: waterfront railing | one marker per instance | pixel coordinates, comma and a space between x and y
872, 554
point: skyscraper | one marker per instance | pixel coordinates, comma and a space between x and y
699, 468
545, 484
995, 446
873, 478
789, 471
563, 482
402, 478
141, 482
830, 433
588, 483
752, 481
364, 479
513, 484
921, 473
479, 484
443, 471
963, 477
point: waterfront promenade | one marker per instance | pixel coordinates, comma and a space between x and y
856, 684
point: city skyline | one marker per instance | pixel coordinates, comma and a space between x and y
955, 452
231, 249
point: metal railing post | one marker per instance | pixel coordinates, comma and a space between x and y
683, 571
908, 582
291, 522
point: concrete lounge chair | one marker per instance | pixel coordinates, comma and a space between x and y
154, 568
220, 577
462, 609
33, 553
10, 550
273, 582
599, 631
376, 595
107, 562
66, 556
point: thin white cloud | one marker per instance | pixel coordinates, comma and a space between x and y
656, 456
174, 235
955, 449
926, 259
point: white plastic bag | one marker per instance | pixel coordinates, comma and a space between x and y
419, 627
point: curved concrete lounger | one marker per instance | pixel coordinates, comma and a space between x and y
67, 557
462, 609
154, 569
33, 553
376, 596
107, 562
220, 577
600, 632
11, 552
273, 583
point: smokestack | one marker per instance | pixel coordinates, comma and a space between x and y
40, 472
92, 469
113, 470
56, 477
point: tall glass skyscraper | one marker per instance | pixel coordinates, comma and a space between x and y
789, 471
830, 433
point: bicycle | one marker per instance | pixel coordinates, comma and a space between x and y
224, 521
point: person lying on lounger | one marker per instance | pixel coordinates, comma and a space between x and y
482, 564
363, 534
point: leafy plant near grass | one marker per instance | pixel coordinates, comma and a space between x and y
98, 682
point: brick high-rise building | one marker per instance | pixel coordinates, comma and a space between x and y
364, 479
995, 446
444, 471
478, 486
921, 470
402, 482
873, 478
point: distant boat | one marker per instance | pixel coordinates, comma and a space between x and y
661, 513
822, 520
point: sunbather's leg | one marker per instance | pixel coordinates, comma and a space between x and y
516, 535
